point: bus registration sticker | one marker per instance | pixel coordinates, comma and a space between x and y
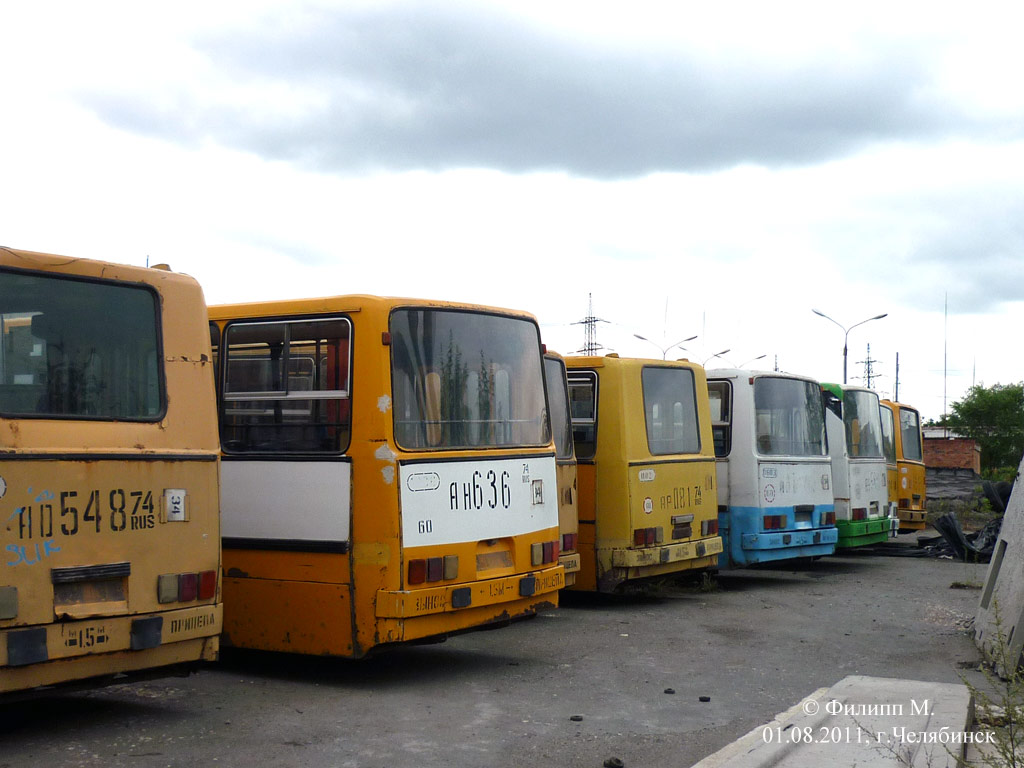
174, 505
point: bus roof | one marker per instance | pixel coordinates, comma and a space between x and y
347, 303
739, 373
89, 268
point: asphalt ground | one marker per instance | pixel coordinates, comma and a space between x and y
662, 677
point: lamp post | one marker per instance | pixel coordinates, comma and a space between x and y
664, 350
846, 331
717, 354
751, 360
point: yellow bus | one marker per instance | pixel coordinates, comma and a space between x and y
565, 457
648, 501
387, 473
109, 526
907, 486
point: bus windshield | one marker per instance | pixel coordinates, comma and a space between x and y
558, 407
466, 380
789, 416
78, 349
863, 424
910, 434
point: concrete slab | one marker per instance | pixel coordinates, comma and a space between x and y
860, 721
1001, 608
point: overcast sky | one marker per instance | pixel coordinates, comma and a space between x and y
717, 169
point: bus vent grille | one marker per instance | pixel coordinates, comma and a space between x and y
90, 573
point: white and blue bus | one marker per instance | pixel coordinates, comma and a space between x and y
774, 471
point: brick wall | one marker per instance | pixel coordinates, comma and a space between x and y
952, 453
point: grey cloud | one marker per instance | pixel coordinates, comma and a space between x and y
429, 88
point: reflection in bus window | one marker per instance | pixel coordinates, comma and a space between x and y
66, 354
670, 407
464, 380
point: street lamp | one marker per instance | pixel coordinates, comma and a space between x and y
846, 331
664, 350
717, 354
751, 360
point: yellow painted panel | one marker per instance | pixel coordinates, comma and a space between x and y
291, 616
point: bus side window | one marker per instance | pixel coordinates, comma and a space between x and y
286, 386
583, 412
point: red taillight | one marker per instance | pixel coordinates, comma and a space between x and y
188, 586
207, 585
860, 513
904, 503
569, 542
709, 527
648, 537
828, 518
435, 567
549, 552
774, 522
417, 571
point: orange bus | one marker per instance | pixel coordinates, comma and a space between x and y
908, 486
565, 458
109, 526
388, 472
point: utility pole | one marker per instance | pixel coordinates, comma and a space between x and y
896, 396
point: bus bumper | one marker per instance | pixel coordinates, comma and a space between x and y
406, 604
781, 545
79, 650
571, 565
629, 564
862, 532
912, 519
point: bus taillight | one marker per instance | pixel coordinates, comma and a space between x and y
433, 569
828, 518
648, 537
544, 553
860, 513
186, 587
708, 527
774, 522
569, 542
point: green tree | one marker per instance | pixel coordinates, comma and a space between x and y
994, 416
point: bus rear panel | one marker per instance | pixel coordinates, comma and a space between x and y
774, 472
908, 485
646, 473
853, 422
109, 524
